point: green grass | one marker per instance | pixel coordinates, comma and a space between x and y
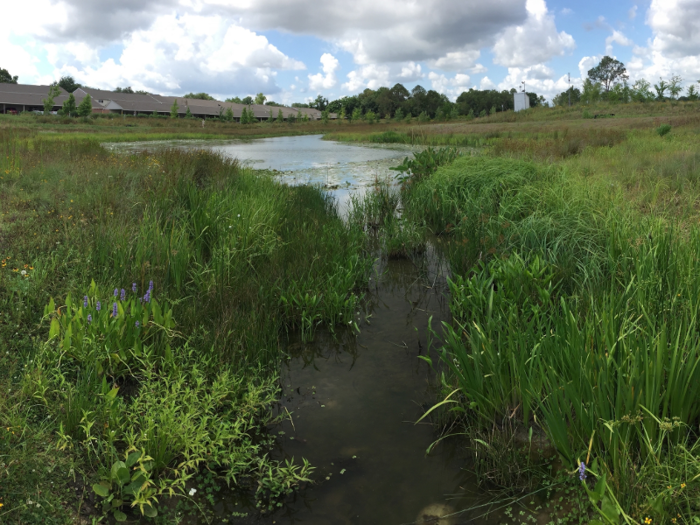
236, 261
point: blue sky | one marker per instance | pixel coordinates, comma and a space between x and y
292, 50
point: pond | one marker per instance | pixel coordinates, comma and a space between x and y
307, 159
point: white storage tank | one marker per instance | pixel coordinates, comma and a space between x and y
521, 101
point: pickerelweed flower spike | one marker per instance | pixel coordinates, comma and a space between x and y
98, 306
89, 318
123, 294
138, 324
582, 471
150, 286
85, 302
114, 310
116, 292
133, 287
147, 297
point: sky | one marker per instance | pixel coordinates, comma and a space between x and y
293, 50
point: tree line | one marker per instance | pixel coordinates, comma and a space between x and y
609, 81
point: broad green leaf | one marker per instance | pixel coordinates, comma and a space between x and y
150, 511
132, 459
101, 489
55, 328
120, 473
119, 515
112, 394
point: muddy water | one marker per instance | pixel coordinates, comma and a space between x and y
354, 402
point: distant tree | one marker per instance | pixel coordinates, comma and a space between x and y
273, 103
300, 105
493, 110
188, 113
319, 103
247, 101
424, 117
356, 114
69, 108
260, 99
54, 91
608, 72
325, 116
141, 92
591, 91
562, 99
234, 100
174, 109
640, 91
692, 92
341, 114
674, 87
6, 78
470, 115
280, 116
229, 114
398, 115
126, 89
199, 96
68, 83
85, 107
370, 117
661, 88
291, 118
483, 113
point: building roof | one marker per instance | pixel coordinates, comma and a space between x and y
26, 95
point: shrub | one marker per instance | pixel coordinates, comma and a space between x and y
663, 129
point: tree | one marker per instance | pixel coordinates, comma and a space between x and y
591, 91
68, 83
370, 117
260, 99
54, 91
124, 90
674, 87
342, 114
692, 92
234, 100
273, 103
320, 103
6, 78
199, 96
300, 105
247, 101
188, 113
174, 109
608, 72
229, 114
356, 114
398, 115
325, 116
661, 88
280, 116
641, 92
85, 107
69, 108
562, 99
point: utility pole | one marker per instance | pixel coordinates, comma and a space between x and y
569, 89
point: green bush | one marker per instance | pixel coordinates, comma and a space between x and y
663, 129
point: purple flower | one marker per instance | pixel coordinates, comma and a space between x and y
89, 318
147, 297
98, 306
116, 292
133, 287
123, 296
582, 471
85, 302
138, 324
114, 310
150, 286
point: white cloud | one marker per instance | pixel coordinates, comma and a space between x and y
192, 53
456, 60
452, 87
632, 13
371, 76
533, 42
486, 83
327, 79
538, 79
588, 63
618, 38
411, 72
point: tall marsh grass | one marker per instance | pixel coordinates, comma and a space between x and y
577, 315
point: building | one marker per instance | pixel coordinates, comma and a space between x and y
21, 97
521, 101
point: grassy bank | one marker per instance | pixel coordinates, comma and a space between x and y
142, 303
575, 297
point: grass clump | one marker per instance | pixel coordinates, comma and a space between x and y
210, 265
576, 316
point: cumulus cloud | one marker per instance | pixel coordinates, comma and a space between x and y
618, 38
486, 83
192, 53
451, 87
533, 42
676, 25
371, 76
538, 78
327, 79
410, 72
456, 60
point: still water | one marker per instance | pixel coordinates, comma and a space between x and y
354, 401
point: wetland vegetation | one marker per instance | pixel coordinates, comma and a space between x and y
146, 300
